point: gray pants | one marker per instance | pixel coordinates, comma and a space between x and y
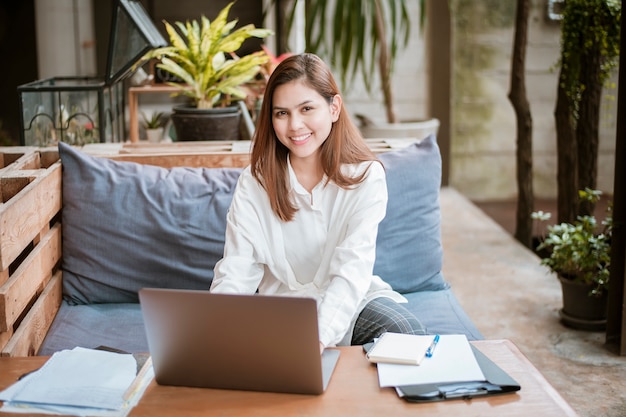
384, 315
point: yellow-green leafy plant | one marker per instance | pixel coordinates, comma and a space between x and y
203, 55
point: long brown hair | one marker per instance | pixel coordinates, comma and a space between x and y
344, 145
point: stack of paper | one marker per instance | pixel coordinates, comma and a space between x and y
81, 382
452, 361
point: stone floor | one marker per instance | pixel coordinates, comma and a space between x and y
509, 295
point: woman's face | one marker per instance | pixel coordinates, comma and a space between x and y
302, 119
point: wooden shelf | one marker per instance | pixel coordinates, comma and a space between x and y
133, 104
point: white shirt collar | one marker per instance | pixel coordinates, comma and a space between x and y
294, 184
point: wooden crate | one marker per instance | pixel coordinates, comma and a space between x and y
30, 247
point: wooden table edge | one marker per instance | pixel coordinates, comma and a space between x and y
33, 363
532, 370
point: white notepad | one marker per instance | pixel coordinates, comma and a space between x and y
406, 349
453, 361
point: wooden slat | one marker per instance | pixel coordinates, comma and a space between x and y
23, 216
186, 147
4, 338
20, 158
48, 156
183, 154
10, 155
11, 186
29, 336
212, 160
141, 148
203, 154
16, 294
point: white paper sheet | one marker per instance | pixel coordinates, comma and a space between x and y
452, 361
79, 382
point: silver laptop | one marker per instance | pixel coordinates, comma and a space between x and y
246, 342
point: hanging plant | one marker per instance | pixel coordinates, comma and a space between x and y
589, 28
590, 37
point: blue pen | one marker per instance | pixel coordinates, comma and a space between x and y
431, 348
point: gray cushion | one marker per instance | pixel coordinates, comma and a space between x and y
409, 253
128, 226
441, 313
118, 326
121, 325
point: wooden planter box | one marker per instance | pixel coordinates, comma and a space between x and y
30, 247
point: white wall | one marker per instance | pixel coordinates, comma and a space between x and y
66, 43
483, 164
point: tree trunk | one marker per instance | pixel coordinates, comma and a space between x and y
588, 125
519, 100
567, 177
384, 63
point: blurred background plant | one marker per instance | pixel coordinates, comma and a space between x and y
154, 121
360, 38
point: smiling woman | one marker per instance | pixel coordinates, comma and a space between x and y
305, 214
302, 120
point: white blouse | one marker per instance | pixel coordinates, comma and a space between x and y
326, 252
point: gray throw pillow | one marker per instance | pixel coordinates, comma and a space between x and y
409, 254
128, 226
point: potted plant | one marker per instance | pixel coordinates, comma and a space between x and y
154, 126
580, 254
203, 55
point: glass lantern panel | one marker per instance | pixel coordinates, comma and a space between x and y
132, 35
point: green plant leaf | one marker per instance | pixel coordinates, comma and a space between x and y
202, 55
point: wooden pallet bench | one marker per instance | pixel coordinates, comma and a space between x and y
30, 224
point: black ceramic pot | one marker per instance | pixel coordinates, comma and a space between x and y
580, 310
206, 124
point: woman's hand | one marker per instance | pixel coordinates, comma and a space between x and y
321, 348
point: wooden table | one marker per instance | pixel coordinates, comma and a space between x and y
353, 391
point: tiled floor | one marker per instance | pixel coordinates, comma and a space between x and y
509, 295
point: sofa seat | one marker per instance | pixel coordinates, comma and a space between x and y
127, 226
120, 325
